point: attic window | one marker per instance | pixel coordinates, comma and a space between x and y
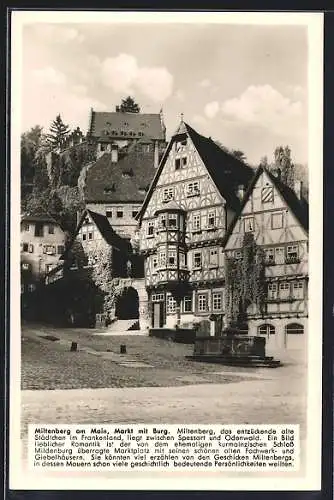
126, 124
141, 134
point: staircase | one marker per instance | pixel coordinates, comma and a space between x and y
123, 325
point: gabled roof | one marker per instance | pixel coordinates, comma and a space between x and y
226, 171
124, 181
39, 218
107, 232
298, 207
139, 124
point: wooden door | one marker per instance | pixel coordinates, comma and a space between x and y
158, 317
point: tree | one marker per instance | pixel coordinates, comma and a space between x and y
58, 133
245, 281
237, 153
128, 105
283, 165
30, 142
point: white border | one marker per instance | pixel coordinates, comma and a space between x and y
312, 480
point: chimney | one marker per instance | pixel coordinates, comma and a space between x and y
240, 191
298, 189
156, 154
114, 153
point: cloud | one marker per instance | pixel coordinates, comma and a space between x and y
179, 94
205, 83
200, 120
79, 89
264, 106
211, 109
123, 74
49, 75
57, 33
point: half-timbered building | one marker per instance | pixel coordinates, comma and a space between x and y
277, 216
191, 202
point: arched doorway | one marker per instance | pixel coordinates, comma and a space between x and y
127, 304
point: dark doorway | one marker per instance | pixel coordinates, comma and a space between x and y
127, 304
158, 315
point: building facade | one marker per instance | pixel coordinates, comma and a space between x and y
185, 216
277, 217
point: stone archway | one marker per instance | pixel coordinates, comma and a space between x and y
127, 304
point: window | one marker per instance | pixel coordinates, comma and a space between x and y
177, 163
171, 304
184, 161
172, 258
25, 247
39, 229
168, 194
172, 221
60, 249
217, 301
294, 329
162, 221
90, 236
154, 263
279, 255
162, 258
51, 229
182, 260
202, 302
49, 249
157, 297
84, 237
269, 255
238, 254
25, 226
196, 222
284, 290
25, 266
249, 224
266, 330
150, 228
277, 220
31, 287
211, 219
272, 291
187, 304
31, 248
197, 262
213, 257
134, 213
298, 290
119, 214
292, 254
193, 188
267, 194
109, 213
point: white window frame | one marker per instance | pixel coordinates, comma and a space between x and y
170, 304
203, 302
187, 299
172, 253
150, 224
157, 297
298, 285
212, 215
172, 217
217, 296
292, 249
196, 222
284, 290
162, 259
269, 255
272, 291
279, 252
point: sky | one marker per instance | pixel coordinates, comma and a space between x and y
243, 85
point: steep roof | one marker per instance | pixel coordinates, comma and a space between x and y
298, 207
124, 181
226, 171
132, 125
107, 232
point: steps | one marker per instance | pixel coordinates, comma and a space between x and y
254, 361
122, 325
